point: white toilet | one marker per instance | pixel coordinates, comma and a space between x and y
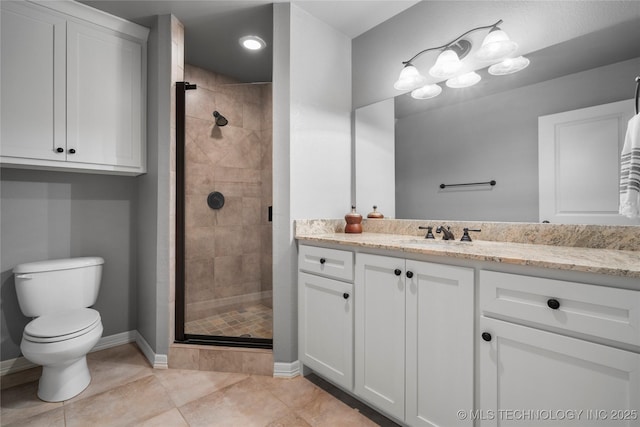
58, 293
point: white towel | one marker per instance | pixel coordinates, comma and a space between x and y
630, 170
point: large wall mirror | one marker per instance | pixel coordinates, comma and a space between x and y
490, 132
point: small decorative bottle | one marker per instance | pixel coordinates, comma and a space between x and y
375, 214
354, 221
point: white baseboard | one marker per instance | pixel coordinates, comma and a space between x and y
20, 363
158, 361
286, 370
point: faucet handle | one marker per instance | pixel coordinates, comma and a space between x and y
465, 236
429, 232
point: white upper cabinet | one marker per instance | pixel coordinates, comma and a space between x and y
33, 82
73, 89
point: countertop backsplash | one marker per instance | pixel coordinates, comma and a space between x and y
619, 237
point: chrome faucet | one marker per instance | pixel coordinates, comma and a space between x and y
446, 233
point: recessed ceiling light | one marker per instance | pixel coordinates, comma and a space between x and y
252, 42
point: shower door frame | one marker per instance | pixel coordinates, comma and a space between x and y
181, 336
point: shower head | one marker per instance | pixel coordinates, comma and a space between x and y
220, 119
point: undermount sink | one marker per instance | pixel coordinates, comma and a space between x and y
438, 242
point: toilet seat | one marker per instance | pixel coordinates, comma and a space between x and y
62, 326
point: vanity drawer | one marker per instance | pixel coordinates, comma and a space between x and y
609, 313
327, 262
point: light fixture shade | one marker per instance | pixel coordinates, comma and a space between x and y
410, 78
464, 80
446, 65
496, 45
426, 92
509, 66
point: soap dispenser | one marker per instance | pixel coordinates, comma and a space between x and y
354, 221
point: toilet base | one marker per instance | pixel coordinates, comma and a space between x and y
63, 381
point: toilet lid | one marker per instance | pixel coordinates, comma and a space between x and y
61, 326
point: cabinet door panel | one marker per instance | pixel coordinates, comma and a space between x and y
380, 332
104, 97
326, 327
33, 82
526, 369
439, 344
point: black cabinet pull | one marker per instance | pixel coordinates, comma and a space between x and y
397, 272
409, 274
322, 260
486, 336
60, 150
345, 295
553, 303
72, 151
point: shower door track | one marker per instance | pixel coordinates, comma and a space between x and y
181, 336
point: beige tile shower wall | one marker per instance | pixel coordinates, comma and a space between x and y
224, 248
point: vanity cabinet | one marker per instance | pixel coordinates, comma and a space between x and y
73, 89
325, 312
414, 339
551, 348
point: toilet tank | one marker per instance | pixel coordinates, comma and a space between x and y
46, 287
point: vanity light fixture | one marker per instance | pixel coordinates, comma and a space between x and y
464, 80
496, 47
509, 66
252, 42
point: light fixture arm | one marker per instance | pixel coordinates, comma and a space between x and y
451, 42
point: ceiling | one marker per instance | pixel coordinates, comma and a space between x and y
213, 27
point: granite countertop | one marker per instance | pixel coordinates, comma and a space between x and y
615, 262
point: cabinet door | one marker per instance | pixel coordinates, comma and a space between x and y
325, 308
380, 329
104, 122
525, 372
33, 82
440, 340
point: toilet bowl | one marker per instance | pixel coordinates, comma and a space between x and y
60, 342
58, 293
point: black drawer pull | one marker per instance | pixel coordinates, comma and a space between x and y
409, 274
59, 150
486, 336
322, 260
345, 295
72, 151
397, 272
553, 303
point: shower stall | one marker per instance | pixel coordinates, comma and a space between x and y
223, 211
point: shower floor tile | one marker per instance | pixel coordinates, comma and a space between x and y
254, 321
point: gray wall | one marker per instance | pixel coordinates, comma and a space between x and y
285, 339
312, 147
47, 215
492, 137
153, 195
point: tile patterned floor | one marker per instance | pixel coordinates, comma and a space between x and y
255, 321
126, 391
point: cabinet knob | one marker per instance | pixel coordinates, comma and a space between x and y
322, 260
345, 295
72, 151
486, 336
397, 272
60, 150
553, 303
409, 274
